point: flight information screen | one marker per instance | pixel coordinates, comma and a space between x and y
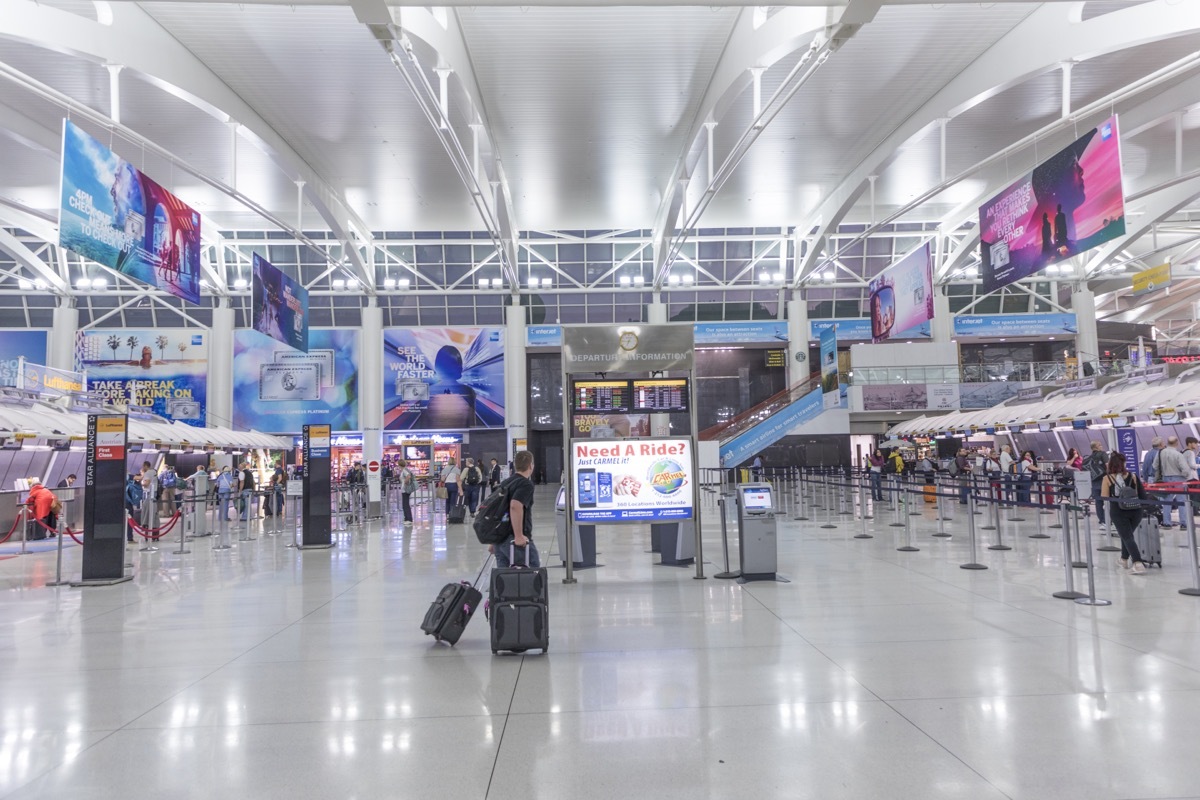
600, 396
660, 394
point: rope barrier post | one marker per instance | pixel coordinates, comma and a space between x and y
999, 545
183, 551
906, 499
1194, 589
912, 488
1037, 515
58, 578
937, 508
799, 490
1077, 564
1069, 593
727, 574
862, 503
1105, 547
974, 562
897, 502
846, 508
828, 506
23, 515
223, 531
148, 511
1048, 511
1090, 600
1011, 499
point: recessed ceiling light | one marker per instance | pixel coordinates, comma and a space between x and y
338, 283
533, 282
688, 279
389, 283
497, 283
673, 280
638, 280
240, 283
483, 283
625, 280
83, 283
778, 277
25, 285
99, 283
403, 283
547, 283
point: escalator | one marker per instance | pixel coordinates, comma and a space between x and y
766, 423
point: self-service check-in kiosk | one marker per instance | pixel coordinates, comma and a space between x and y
757, 547
195, 513
584, 550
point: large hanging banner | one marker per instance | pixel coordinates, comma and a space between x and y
831, 394
279, 390
113, 214
166, 370
279, 305
901, 297
1070, 203
13, 345
443, 378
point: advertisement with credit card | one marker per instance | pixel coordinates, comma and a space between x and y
115, 215
279, 305
278, 390
648, 480
1067, 205
443, 378
165, 370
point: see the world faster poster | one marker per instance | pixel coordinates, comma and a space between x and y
443, 378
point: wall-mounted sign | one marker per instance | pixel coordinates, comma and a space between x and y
859, 330
1150, 280
1006, 325
628, 348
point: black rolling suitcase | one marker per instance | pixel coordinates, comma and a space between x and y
457, 515
449, 614
519, 608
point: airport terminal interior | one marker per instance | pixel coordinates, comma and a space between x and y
836, 358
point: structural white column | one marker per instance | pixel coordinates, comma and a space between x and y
220, 366
60, 350
516, 375
1087, 341
942, 324
370, 400
656, 314
798, 338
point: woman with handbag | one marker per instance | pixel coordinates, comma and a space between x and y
1124, 493
450, 475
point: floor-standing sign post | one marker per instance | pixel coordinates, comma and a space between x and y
317, 531
104, 518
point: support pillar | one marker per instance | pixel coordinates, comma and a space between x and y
370, 401
114, 91
656, 314
516, 376
60, 350
1087, 340
798, 333
220, 365
941, 327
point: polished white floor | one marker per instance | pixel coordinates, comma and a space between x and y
265, 672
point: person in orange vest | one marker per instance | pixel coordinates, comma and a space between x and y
41, 502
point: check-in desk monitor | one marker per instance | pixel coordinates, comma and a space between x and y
757, 499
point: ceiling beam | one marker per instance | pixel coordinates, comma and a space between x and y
1047, 38
1157, 207
26, 258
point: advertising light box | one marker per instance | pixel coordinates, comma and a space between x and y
649, 480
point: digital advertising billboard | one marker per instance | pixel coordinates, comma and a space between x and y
113, 214
831, 393
1067, 205
279, 305
443, 378
17, 343
165, 370
279, 390
901, 297
648, 480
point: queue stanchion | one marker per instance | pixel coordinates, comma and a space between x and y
1194, 589
1068, 567
974, 562
183, 551
846, 506
914, 509
1105, 546
58, 578
1040, 534
223, 532
896, 511
1048, 511
23, 514
996, 500
1091, 599
799, 491
1011, 496
828, 506
1077, 563
941, 518
906, 499
862, 504
148, 519
974, 481
992, 512
727, 574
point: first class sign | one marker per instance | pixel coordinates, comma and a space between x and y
648, 480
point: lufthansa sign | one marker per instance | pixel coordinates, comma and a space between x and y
628, 348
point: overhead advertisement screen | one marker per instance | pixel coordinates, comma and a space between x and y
280, 305
115, 215
165, 370
647, 480
901, 296
1068, 204
279, 390
443, 378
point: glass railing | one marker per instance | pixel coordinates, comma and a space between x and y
748, 419
1016, 372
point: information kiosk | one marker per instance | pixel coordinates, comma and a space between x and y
584, 547
757, 546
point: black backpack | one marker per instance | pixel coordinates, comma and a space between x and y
492, 525
1097, 465
474, 477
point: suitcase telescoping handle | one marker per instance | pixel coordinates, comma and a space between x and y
482, 570
512, 556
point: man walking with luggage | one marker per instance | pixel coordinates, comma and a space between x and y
472, 484
520, 514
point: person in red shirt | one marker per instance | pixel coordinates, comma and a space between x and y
41, 503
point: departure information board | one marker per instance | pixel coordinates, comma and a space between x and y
594, 396
660, 395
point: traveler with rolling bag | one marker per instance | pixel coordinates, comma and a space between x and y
1125, 494
449, 614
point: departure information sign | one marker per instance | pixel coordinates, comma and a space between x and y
600, 396
660, 394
